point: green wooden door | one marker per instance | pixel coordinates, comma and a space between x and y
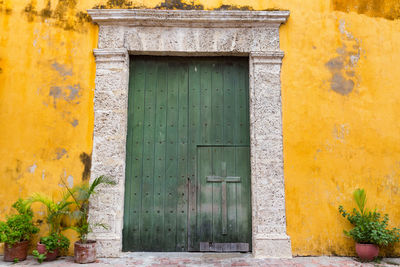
187, 163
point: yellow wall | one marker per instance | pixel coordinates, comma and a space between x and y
340, 94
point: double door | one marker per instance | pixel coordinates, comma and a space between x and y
187, 167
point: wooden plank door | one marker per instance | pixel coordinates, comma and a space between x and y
155, 213
219, 188
180, 109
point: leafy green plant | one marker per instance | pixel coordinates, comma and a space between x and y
39, 256
81, 195
18, 227
55, 241
369, 226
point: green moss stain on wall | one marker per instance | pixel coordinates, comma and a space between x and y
65, 14
388, 9
167, 4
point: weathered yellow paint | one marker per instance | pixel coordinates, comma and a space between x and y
340, 89
389, 9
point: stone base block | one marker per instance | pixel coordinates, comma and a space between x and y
272, 247
108, 248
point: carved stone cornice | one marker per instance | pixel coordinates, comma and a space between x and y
188, 18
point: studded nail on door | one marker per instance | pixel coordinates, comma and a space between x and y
187, 164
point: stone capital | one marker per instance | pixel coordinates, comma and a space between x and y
111, 55
267, 57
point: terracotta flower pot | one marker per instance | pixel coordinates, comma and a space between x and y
367, 252
50, 256
85, 253
18, 251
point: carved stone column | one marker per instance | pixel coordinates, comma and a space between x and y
268, 190
109, 146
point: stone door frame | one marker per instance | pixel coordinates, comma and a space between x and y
191, 33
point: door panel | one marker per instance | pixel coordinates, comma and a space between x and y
186, 118
223, 209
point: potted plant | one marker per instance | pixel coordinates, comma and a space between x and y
85, 249
16, 232
54, 243
51, 246
370, 229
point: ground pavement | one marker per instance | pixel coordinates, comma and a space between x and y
209, 259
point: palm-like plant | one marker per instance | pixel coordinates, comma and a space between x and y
80, 195
56, 211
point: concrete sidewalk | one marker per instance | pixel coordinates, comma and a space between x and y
209, 259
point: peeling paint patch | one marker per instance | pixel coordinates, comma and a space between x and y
61, 69
341, 85
60, 152
73, 92
32, 168
68, 93
343, 66
55, 92
341, 131
75, 122
43, 175
70, 181
86, 160
388, 9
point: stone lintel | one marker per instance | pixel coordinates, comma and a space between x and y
188, 18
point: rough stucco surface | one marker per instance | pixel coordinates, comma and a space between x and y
340, 125
261, 42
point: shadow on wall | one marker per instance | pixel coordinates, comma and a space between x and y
388, 9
